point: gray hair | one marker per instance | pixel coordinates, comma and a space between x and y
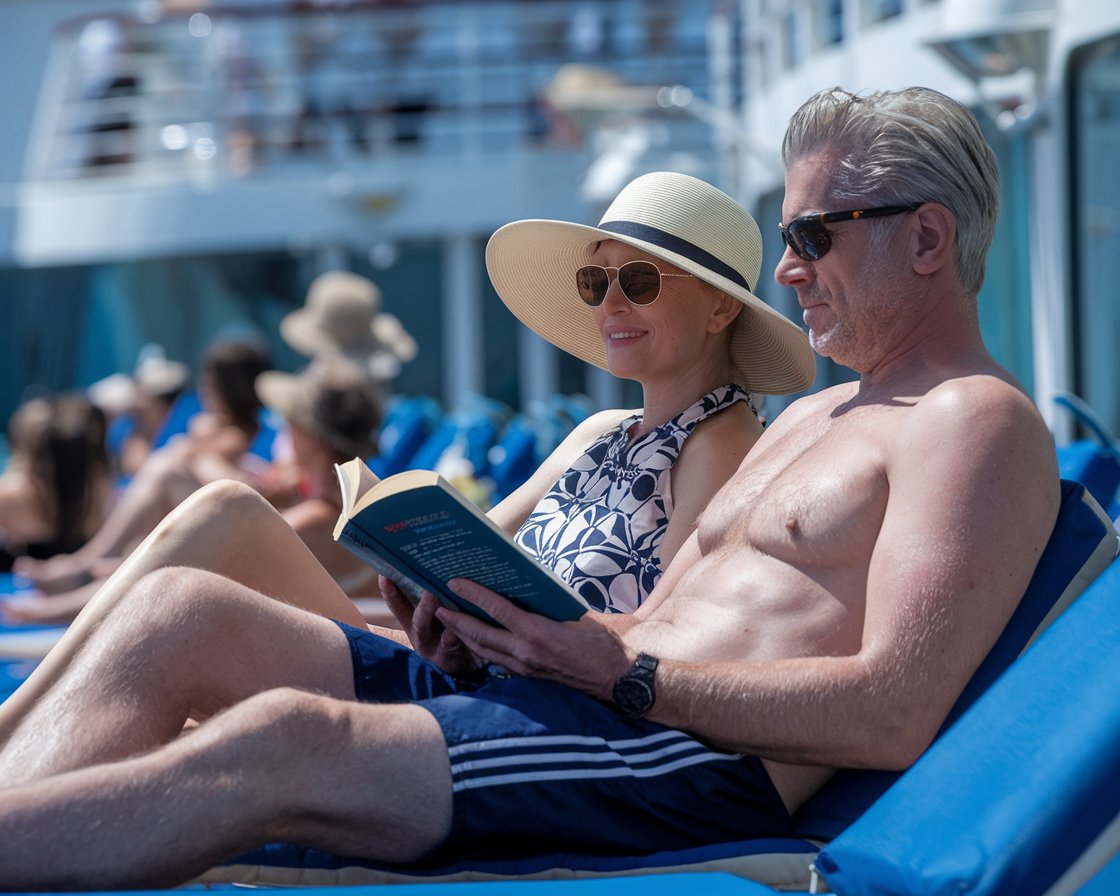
902, 147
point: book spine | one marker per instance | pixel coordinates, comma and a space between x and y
362, 546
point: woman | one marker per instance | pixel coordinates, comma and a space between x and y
216, 441
659, 292
54, 490
332, 410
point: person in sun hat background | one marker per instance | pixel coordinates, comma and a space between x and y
342, 315
333, 411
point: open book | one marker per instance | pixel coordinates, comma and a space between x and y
417, 530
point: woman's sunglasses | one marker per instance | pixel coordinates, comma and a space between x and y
640, 282
810, 240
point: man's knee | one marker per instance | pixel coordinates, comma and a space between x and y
305, 732
294, 715
360, 779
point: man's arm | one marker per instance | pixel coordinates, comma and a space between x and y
973, 493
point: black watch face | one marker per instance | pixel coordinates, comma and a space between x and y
634, 697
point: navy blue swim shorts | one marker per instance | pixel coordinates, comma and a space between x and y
538, 766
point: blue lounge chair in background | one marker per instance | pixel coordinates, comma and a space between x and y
463, 435
409, 421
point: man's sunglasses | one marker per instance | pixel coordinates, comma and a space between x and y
810, 239
640, 282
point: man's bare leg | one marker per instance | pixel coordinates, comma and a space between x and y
183, 644
225, 527
350, 778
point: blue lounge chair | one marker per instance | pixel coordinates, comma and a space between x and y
408, 424
972, 816
1094, 462
1023, 794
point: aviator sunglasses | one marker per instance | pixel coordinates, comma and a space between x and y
810, 240
640, 282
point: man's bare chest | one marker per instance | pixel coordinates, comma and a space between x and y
814, 498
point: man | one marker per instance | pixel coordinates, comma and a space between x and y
837, 595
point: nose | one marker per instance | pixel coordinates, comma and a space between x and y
792, 270
614, 300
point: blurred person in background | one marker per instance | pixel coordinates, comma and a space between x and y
214, 446
333, 412
342, 315
57, 481
139, 405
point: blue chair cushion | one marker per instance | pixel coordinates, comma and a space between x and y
1022, 794
1094, 465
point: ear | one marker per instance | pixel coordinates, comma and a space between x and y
934, 233
724, 312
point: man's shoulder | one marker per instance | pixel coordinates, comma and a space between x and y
978, 423
984, 393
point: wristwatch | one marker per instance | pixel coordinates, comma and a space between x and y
634, 692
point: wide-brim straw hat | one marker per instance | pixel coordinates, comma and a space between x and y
333, 398
674, 217
342, 315
114, 394
154, 376
157, 375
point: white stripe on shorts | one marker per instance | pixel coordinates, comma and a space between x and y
575, 757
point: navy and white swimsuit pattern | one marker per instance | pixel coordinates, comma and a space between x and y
601, 525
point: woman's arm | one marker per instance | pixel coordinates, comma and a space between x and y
513, 510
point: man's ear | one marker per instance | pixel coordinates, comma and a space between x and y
934, 232
724, 312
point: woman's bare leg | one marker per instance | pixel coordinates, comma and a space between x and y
162, 483
225, 527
